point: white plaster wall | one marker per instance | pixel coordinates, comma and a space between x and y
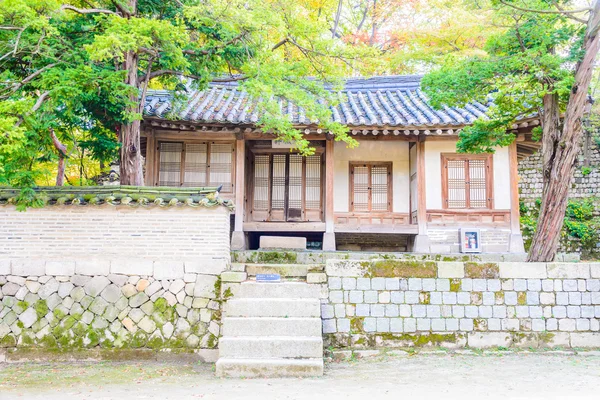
390, 151
433, 174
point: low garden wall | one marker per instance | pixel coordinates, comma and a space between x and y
112, 276
395, 303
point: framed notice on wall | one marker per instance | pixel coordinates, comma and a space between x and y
470, 240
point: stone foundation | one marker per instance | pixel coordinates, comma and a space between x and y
69, 306
395, 303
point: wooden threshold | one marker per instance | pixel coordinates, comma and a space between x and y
284, 226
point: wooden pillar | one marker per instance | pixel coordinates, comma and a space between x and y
516, 238
329, 235
150, 158
421, 243
238, 238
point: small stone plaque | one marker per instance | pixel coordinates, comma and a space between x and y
268, 277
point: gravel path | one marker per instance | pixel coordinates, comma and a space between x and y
514, 376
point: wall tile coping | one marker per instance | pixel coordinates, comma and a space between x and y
455, 269
160, 269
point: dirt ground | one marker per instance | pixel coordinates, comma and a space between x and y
489, 376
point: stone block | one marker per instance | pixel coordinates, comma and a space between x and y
423, 324
410, 325
168, 270
316, 277
343, 268
568, 270
392, 284
205, 286
28, 267
4, 267
397, 297
383, 325
132, 266
361, 283
95, 285
355, 296
585, 340
282, 242
206, 266
595, 270
370, 324
442, 285
378, 284
327, 311
348, 283
66, 268
522, 270
482, 340
92, 266
343, 325
363, 310
232, 276
450, 269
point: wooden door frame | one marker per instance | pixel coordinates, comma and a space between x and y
251, 184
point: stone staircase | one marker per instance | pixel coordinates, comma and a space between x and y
272, 329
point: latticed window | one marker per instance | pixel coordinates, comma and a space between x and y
467, 181
196, 164
370, 187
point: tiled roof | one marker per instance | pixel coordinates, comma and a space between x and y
133, 196
394, 101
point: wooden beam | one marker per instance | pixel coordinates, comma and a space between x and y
284, 226
421, 189
194, 135
515, 225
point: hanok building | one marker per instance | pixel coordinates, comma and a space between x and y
404, 188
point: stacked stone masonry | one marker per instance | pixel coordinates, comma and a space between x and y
456, 304
584, 184
122, 304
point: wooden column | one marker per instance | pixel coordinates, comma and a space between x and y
421, 243
516, 238
238, 238
329, 235
151, 161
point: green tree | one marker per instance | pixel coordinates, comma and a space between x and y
117, 49
541, 63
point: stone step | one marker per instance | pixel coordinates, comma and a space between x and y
275, 367
271, 326
285, 270
299, 290
282, 242
272, 307
262, 347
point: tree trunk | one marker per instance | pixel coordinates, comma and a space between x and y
131, 157
62, 154
560, 147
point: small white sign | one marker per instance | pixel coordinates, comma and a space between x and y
470, 240
280, 144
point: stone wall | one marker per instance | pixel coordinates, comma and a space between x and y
109, 231
64, 305
584, 184
112, 277
395, 303
585, 188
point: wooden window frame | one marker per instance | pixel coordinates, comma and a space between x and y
489, 180
371, 164
209, 144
